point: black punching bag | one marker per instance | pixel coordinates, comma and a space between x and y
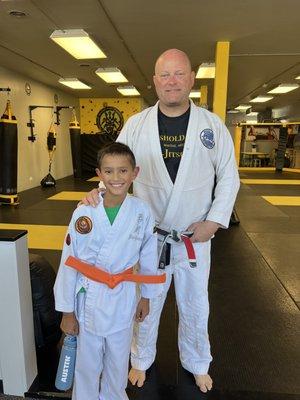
48, 180
75, 138
8, 157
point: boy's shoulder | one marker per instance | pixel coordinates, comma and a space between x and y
83, 210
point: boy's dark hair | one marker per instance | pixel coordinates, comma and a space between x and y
116, 148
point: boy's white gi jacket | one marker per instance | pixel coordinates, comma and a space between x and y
207, 180
113, 248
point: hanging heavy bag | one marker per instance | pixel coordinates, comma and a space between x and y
8, 157
48, 180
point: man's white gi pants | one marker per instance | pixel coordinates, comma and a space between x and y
193, 308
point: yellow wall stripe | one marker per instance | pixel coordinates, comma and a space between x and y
263, 169
271, 181
48, 237
283, 200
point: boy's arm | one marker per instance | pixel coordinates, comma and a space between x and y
65, 284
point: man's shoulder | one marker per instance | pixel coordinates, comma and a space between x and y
140, 115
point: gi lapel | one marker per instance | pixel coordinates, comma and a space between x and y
170, 216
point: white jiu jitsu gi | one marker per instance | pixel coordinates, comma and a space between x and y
205, 189
105, 315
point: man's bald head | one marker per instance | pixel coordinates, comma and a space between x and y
173, 81
173, 54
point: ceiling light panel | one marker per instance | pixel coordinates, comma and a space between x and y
111, 75
284, 88
206, 71
73, 83
128, 91
261, 99
78, 43
242, 107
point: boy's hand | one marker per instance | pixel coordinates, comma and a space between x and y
142, 310
69, 324
91, 198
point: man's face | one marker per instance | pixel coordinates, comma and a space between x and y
173, 80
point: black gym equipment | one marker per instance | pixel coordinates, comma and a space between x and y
8, 157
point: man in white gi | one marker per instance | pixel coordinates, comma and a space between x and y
189, 177
95, 285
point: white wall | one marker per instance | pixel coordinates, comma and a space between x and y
33, 156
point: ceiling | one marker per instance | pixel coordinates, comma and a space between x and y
264, 37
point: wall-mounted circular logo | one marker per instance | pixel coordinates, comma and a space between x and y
109, 120
83, 225
207, 138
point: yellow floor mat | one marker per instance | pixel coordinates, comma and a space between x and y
76, 196
48, 237
94, 179
271, 181
283, 200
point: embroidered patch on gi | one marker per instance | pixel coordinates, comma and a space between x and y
83, 225
68, 239
207, 138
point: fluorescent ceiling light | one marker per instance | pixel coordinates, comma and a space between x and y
284, 88
73, 83
232, 111
206, 71
128, 91
111, 75
297, 77
78, 43
195, 94
261, 99
252, 114
242, 107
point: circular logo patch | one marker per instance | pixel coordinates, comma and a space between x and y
83, 225
207, 138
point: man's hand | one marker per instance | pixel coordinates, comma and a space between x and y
142, 310
203, 230
91, 198
69, 324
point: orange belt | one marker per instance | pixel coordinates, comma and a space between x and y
111, 280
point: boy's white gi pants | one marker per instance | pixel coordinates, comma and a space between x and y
107, 357
193, 308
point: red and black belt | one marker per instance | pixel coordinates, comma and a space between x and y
164, 255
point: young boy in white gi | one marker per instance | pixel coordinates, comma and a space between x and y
106, 242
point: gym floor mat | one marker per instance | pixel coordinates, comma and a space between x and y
271, 181
66, 195
283, 200
49, 237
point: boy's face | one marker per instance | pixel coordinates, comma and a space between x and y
117, 174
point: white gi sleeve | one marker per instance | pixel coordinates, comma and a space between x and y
227, 178
65, 284
149, 259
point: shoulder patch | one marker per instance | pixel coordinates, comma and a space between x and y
207, 138
83, 225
